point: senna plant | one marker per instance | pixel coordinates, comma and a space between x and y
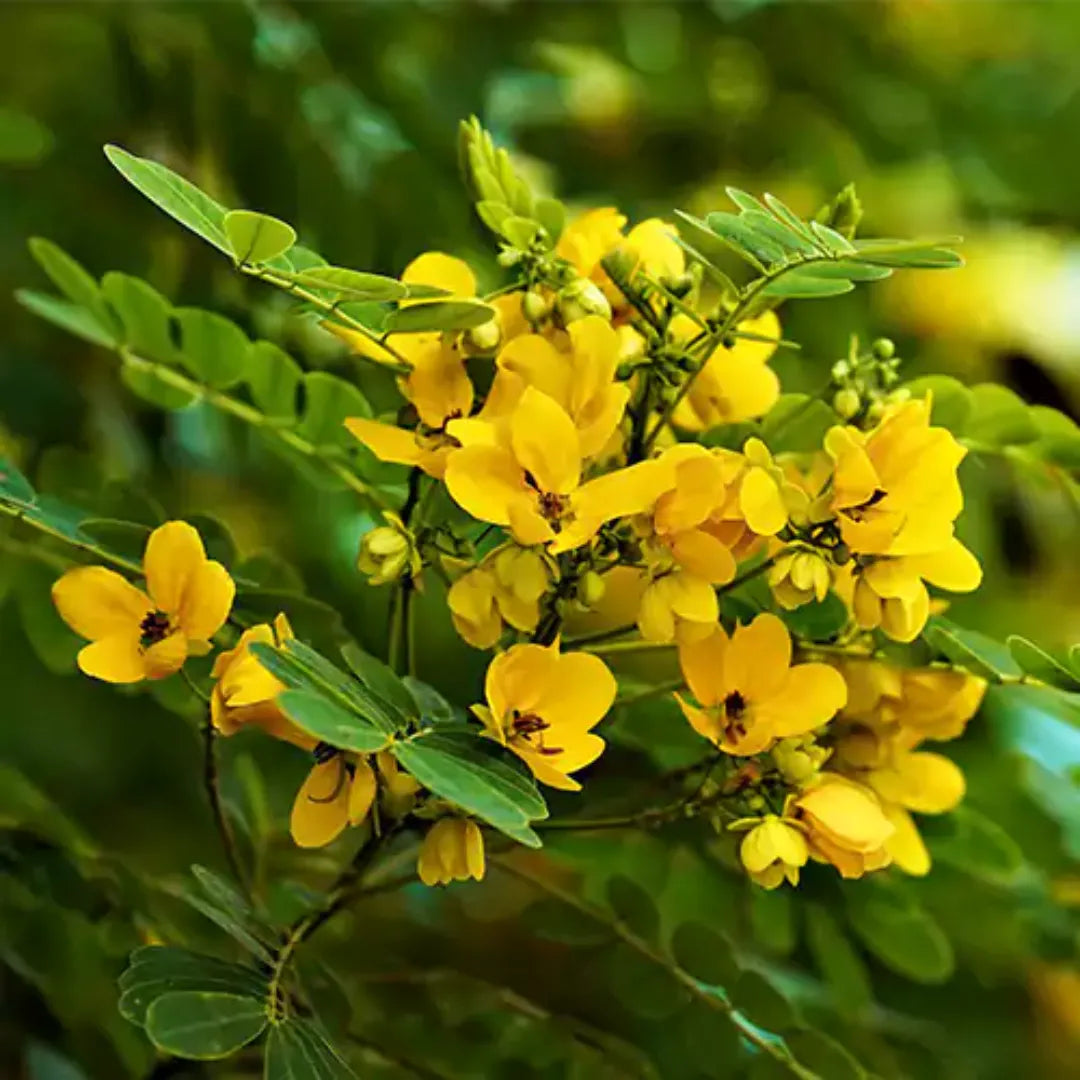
594, 470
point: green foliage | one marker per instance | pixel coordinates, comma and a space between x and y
257, 238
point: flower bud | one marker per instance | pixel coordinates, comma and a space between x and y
484, 338
535, 306
388, 552
846, 402
509, 257
453, 850
841, 370
883, 349
580, 298
591, 588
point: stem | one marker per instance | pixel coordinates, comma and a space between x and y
627, 647
747, 575
393, 632
710, 999
19, 513
653, 691
213, 793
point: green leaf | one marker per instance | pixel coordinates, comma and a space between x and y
912, 254
13, 485
792, 241
838, 961
998, 417
973, 843
179, 198
633, 907
520, 231
832, 241
214, 349
273, 377
642, 986
824, 1055
903, 936
951, 402
75, 283
818, 620
1044, 667
381, 680
353, 284
24, 140
783, 213
439, 315
971, 650
555, 920
253, 938
145, 314
493, 214
256, 238
55, 644
845, 268
743, 199
552, 215
756, 998
797, 422
125, 538
758, 250
704, 953
297, 1050
801, 283
474, 774
330, 723
328, 403
68, 316
204, 1025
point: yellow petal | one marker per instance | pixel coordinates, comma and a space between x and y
527, 523
439, 386
386, 442
623, 492
655, 618
429, 865
811, 695
443, 271
703, 555
114, 659
932, 783
546, 443
361, 792
474, 850
207, 601
98, 603
580, 692
485, 481
174, 553
165, 657
517, 678
692, 598
704, 723
702, 664
903, 620
757, 661
906, 845
761, 504
321, 809
595, 359
953, 568
597, 424
539, 364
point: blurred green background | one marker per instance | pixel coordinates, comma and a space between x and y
951, 117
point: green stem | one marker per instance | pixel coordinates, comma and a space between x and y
708, 998
20, 513
748, 575
613, 647
651, 692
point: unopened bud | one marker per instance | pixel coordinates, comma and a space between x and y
580, 298
846, 403
535, 306
679, 286
387, 552
509, 257
883, 349
484, 338
591, 588
840, 370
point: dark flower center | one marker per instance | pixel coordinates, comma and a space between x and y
527, 725
154, 627
858, 513
735, 709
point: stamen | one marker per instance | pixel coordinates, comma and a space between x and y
154, 627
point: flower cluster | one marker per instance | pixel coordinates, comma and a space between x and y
582, 431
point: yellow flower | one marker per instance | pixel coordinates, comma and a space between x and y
678, 606
749, 694
845, 825
773, 851
799, 574
734, 384
526, 474
895, 489
588, 238
543, 705
244, 691
581, 379
338, 792
453, 850
505, 588
139, 635
438, 386
388, 552
399, 789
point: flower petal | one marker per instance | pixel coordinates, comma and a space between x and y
702, 664
580, 692
953, 568
906, 845
703, 555
546, 442
761, 503
165, 657
485, 481
320, 811
517, 679
386, 442
442, 271
207, 601
534, 359
98, 603
758, 659
809, 697
114, 659
173, 554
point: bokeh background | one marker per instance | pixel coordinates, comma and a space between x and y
950, 117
